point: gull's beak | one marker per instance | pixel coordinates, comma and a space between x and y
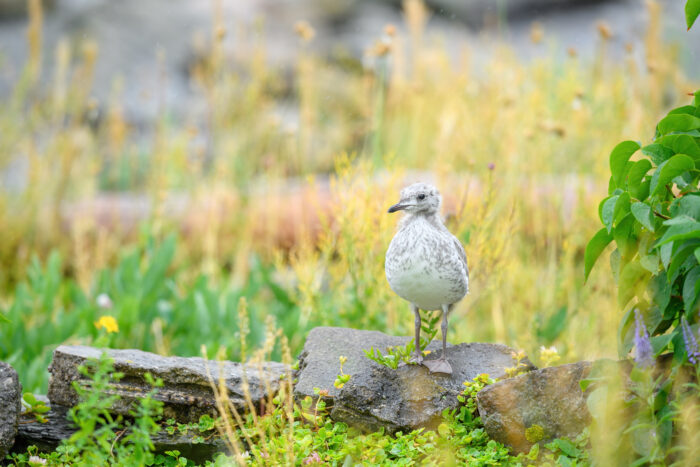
397, 207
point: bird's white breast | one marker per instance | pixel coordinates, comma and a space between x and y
423, 266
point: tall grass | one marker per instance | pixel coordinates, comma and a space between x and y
294, 217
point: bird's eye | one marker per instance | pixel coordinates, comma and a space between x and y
421, 197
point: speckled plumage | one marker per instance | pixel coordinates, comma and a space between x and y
425, 264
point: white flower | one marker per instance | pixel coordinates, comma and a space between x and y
103, 301
36, 460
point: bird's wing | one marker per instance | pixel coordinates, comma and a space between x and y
462, 255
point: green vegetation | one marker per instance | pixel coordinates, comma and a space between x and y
402, 354
311, 437
285, 229
652, 215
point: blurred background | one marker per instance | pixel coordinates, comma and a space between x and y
174, 164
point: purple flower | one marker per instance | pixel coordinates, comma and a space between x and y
691, 343
491, 166
644, 355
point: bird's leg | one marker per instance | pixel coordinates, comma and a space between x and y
441, 365
417, 354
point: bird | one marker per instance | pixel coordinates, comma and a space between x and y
426, 265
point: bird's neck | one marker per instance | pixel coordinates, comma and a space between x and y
433, 218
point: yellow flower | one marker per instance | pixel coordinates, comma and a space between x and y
304, 31
108, 323
549, 356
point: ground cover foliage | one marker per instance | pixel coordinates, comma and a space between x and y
531, 169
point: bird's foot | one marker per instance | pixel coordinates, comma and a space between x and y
416, 359
441, 365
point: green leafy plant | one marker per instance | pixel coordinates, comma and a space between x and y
342, 378
102, 438
652, 214
402, 354
34, 408
692, 10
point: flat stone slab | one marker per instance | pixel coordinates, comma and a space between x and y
47, 436
379, 397
10, 407
547, 402
186, 392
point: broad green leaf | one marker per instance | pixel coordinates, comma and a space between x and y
625, 333
650, 262
652, 318
679, 257
567, 447
697, 254
611, 186
678, 347
642, 191
658, 153
680, 219
669, 170
665, 252
632, 277
660, 290
692, 10
615, 264
159, 263
682, 144
642, 212
678, 122
688, 205
619, 157
637, 172
608, 212
622, 207
680, 228
691, 288
625, 237
684, 109
594, 248
600, 208
552, 326
660, 343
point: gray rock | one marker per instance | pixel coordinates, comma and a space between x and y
550, 398
47, 436
10, 407
319, 360
376, 396
186, 392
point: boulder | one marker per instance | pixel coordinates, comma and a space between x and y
379, 397
10, 407
186, 392
196, 446
539, 405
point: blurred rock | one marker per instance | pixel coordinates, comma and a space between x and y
18, 8
155, 65
186, 392
47, 436
10, 407
376, 396
476, 12
550, 399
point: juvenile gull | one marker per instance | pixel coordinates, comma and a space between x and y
425, 264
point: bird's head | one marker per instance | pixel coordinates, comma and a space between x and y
419, 198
